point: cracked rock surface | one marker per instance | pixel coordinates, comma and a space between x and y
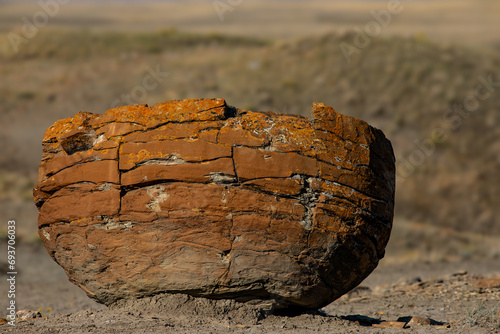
201, 198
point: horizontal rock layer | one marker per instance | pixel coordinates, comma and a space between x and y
201, 198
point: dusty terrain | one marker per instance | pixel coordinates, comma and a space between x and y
429, 60
458, 296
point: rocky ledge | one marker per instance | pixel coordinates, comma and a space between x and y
201, 198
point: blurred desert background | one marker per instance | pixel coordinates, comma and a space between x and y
417, 79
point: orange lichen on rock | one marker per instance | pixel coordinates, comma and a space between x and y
202, 198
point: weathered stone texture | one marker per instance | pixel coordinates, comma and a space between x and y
198, 197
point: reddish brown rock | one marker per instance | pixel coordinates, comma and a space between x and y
201, 198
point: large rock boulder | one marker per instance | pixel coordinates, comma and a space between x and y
201, 198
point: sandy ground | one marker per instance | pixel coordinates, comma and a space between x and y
440, 296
